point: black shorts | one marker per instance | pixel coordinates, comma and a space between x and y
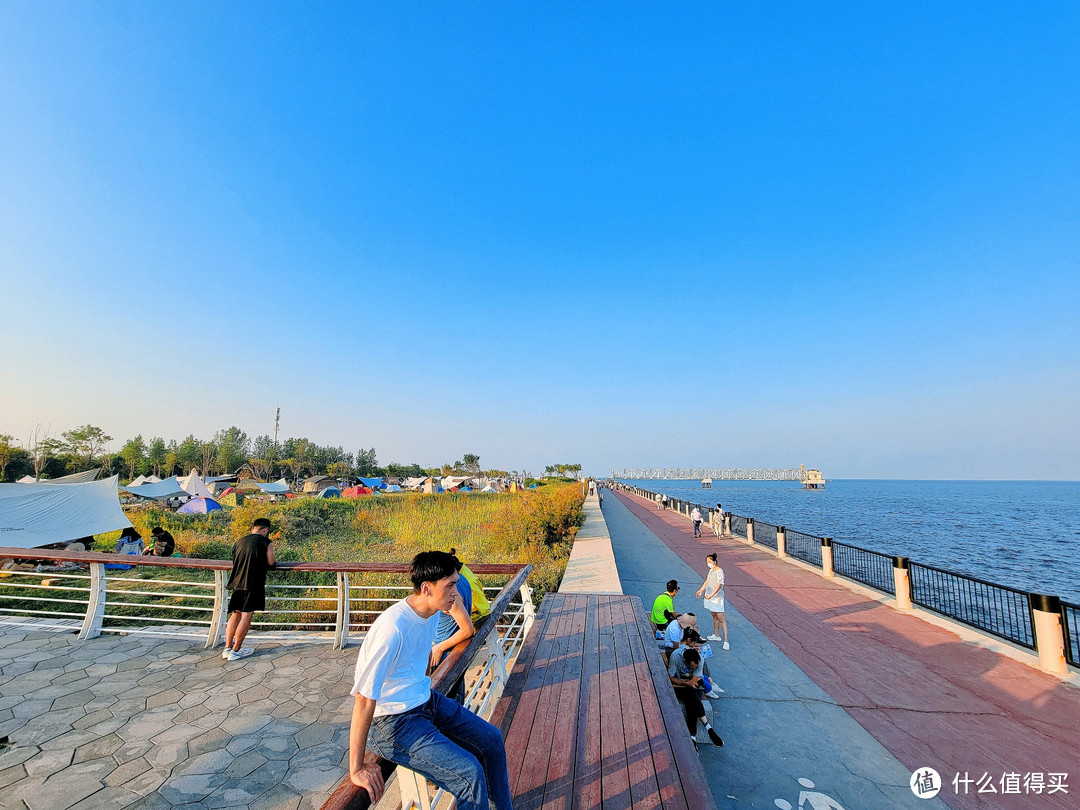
247, 601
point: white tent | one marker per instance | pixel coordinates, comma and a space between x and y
144, 479
193, 485
38, 514
163, 490
279, 487
75, 478
414, 483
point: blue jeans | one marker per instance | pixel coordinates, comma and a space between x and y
458, 751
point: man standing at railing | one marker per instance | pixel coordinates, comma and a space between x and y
398, 716
253, 555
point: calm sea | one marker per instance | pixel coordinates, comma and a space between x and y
1018, 533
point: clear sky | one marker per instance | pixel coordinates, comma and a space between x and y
640, 234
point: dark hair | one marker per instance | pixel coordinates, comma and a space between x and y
692, 657
157, 530
718, 506
692, 636
672, 585
431, 566
260, 523
457, 562
711, 556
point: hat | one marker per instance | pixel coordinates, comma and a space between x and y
687, 620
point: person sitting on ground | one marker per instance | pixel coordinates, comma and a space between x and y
673, 634
663, 607
130, 542
398, 716
455, 625
677, 662
253, 556
685, 673
164, 544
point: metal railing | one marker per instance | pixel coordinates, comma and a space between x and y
863, 565
805, 547
765, 534
995, 609
738, 525
1070, 623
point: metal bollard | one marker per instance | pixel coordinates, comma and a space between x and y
1049, 635
902, 581
826, 557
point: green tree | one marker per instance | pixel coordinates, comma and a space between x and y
83, 443
7, 453
233, 449
134, 454
207, 454
156, 455
471, 463
189, 453
365, 462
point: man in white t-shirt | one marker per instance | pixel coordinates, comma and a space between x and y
398, 716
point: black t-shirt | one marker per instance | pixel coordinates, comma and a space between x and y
164, 545
249, 564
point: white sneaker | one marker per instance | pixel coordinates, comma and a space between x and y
713, 637
727, 646
226, 653
243, 652
715, 693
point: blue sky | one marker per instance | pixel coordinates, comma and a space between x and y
658, 234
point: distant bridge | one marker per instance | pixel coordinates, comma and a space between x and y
686, 474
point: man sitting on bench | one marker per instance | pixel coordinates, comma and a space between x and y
398, 716
684, 669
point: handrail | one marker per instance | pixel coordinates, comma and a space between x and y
347, 796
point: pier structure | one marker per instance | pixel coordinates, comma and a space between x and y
714, 473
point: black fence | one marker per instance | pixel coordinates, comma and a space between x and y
738, 526
765, 533
995, 609
805, 547
863, 565
1070, 622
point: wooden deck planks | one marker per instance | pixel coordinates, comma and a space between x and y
588, 715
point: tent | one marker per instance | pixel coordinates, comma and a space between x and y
279, 487
329, 492
392, 488
373, 483
414, 483
161, 491
74, 478
200, 506
489, 488
194, 485
144, 479
39, 514
355, 492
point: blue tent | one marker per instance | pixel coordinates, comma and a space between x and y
330, 492
465, 489
200, 506
374, 483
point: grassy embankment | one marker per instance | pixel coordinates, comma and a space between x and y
535, 527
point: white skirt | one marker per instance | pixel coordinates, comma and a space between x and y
715, 605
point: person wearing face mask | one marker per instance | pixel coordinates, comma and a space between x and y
712, 589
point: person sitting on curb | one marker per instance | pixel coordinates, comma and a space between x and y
676, 630
685, 674
253, 556
663, 608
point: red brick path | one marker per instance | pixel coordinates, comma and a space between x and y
927, 696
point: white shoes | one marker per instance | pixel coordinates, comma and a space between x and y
727, 646
236, 655
713, 637
715, 693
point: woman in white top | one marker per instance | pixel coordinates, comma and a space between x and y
712, 589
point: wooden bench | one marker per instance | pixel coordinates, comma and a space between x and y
589, 715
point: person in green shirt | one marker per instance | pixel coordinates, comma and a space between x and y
663, 608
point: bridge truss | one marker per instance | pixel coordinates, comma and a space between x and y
728, 474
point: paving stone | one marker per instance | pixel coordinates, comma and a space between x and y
152, 801
166, 756
31, 708
11, 775
12, 795
128, 707
73, 700
148, 781
210, 762
191, 789
278, 798
91, 718
70, 740
17, 754
176, 734
221, 703
211, 740
112, 798
126, 772
131, 751
278, 747
98, 670
238, 723
137, 663
314, 735
266, 776
71, 785
309, 780
244, 764
242, 744
101, 747
161, 699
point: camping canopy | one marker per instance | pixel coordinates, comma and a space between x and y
373, 483
163, 490
74, 478
193, 485
279, 487
199, 506
38, 514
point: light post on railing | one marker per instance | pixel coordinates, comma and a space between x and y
781, 541
95, 605
902, 583
826, 557
1049, 636
750, 530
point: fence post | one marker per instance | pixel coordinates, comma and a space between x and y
727, 524
414, 789
527, 609
220, 612
341, 622
781, 541
1049, 632
902, 582
750, 530
826, 557
95, 603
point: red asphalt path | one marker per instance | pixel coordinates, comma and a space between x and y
930, 698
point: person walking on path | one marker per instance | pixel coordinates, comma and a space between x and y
712, 589
695, 516
718, 522
663, 606
398, 716
685, 674
253, 556
663, 501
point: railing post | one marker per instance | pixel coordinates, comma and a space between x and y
902, 582
826, 557
95, 603
1049, 632
727, 524
750, 530
781, 541
414, 789
341, 622
528, 611
220, 613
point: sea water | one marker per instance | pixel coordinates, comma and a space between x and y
1023, 534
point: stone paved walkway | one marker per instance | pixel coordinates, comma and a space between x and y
143, 722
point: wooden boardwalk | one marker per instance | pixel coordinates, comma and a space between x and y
589, 715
